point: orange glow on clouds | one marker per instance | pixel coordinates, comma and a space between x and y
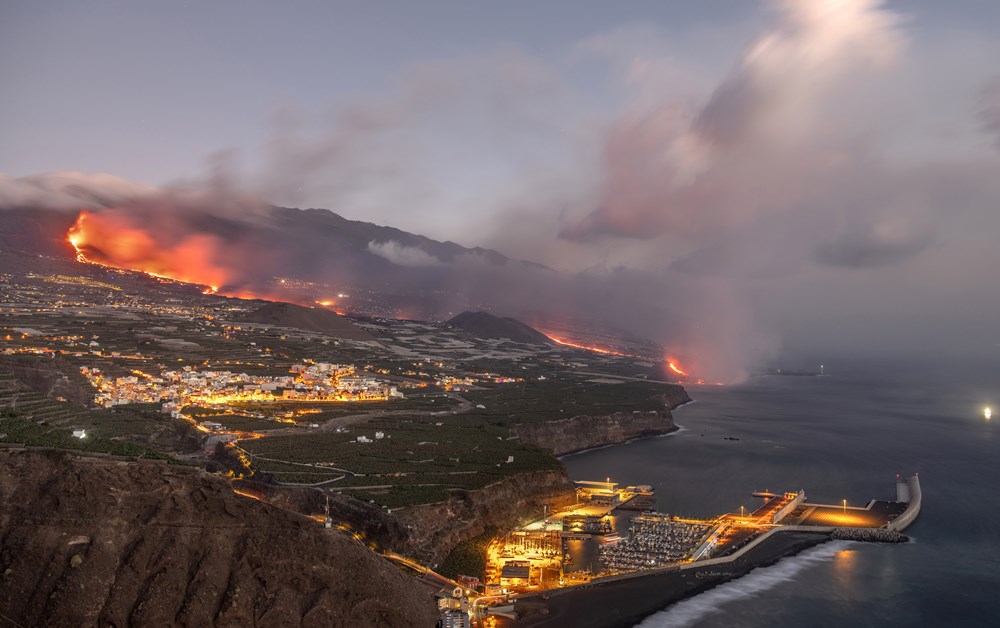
116, 240
110, 239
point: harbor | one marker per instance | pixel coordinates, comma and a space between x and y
553, 570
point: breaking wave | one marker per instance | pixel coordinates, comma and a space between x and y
687, 612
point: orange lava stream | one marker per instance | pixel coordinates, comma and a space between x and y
246, 494
567, 343
673, 367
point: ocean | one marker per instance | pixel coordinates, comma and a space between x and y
841, 436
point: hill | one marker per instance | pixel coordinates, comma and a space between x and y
91, 542
486, 325
308, 319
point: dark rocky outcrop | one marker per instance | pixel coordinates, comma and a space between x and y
319, 320
437, 528
869, 535
87, 542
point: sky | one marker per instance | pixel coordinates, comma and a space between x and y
801, 176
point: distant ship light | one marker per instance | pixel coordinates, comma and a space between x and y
987, 412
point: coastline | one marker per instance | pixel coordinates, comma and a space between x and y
676, 429
624, 603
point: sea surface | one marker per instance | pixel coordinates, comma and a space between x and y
841, 436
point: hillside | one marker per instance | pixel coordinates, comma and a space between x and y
319, 320
101, 542
486, 325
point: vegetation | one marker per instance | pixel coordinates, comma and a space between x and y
15, 429
400, 496
551, 400
416, 462
469, 557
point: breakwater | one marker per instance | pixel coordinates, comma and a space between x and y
914, 501
869, 535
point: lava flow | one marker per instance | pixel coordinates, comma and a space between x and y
567, 343
117, 240
673, 367
114, 240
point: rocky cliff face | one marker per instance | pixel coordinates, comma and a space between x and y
101, 542
437, 528
585, 431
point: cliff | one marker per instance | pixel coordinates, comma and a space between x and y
102, 542
585, 432
437, 528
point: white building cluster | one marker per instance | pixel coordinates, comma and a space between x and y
176, 389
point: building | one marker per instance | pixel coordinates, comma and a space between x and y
598, 492
515, 573
454, 619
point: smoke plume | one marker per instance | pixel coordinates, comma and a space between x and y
784, 207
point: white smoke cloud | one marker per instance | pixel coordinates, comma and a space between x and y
403, 255
770, 137
68, 191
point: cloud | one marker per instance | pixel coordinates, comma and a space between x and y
765, 140
990, 109
883, 245
403, 255
704, 206
68, 191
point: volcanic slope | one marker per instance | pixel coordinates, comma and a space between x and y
307, 318
90, 541
486, 325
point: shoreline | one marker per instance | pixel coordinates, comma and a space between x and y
676, 429
625, 603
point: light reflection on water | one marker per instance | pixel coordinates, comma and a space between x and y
840, 437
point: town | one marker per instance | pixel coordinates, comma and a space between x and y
218, 389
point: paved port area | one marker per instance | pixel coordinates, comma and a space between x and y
880, 513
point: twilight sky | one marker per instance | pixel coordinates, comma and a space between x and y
801, 175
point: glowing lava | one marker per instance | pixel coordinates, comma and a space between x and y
673, 367
115, 240
567, 343
119, 240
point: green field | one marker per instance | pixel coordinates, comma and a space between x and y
14, 429
551, 400
419, 460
